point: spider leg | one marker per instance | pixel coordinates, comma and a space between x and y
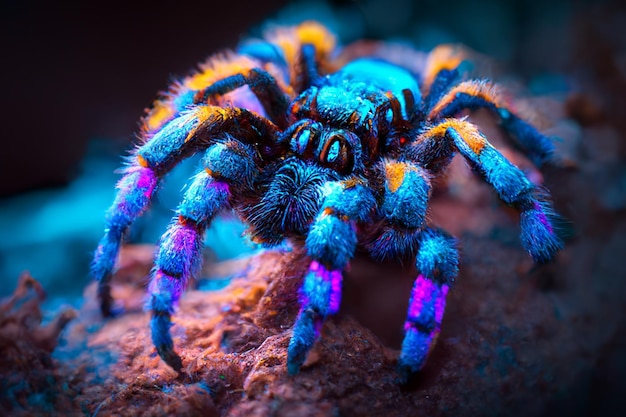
272, 93
443, 81
135, 190
228, 167
192, 131
275, 69
330, 243
405, 195
308, 49
537, 217
264, 86
440, 63
474, 95
268, 93
437, 262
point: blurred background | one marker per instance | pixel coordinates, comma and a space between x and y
76, 80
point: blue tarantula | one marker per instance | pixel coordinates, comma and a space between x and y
333, 151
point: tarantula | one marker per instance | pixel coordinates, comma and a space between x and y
333, 151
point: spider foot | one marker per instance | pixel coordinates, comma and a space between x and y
162, 340
305, 333
170, 357
108, 307
538, 231
102, 267
415, 350
423, 323
106, 300
319, 297
405, 374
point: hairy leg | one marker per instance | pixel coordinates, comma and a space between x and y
474, 95
135, 190
229, 166
437, 263
404, 206
330, 243
179, 257
219, 76
192, 131
405, 193
537, 218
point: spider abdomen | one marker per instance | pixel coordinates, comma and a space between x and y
384, 76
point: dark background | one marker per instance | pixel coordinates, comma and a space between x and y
72, 73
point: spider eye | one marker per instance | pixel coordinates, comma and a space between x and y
333, 152
302, 141
303, 138
336, 153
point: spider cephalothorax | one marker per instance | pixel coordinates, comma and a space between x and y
332, 151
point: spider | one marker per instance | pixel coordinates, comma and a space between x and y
332, 150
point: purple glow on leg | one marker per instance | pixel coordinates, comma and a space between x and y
138, 178
542, 216
179, 250
220, 187
165, 291
426, 308
333, 280
185, 241
422, 291
426, 294
440, 304
135, 191
315, 266
147, 181
335, 292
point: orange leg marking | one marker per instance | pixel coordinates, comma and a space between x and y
442, 57
470, 133
161, 113
482, 89
142, 161
316, 35
218, 68
204, 113
395, 172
